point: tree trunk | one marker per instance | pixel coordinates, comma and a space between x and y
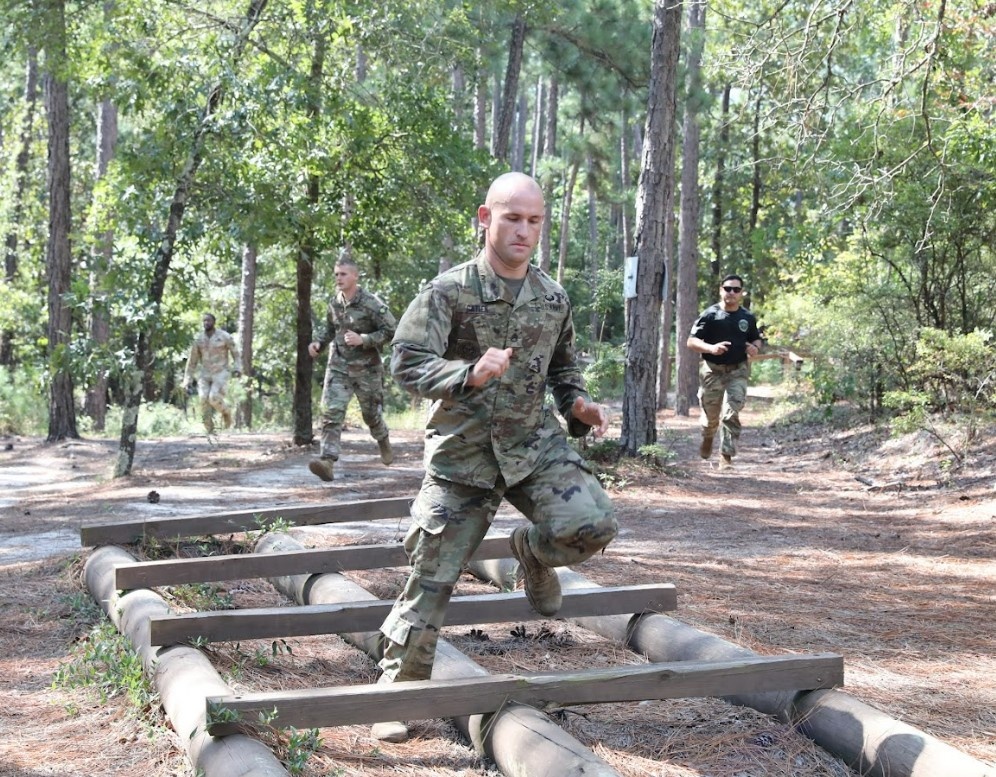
625, 160
506, 113
164, 253
20, 185
717, 187
755, 153
667, 307
686, 361
639, 425
95, 404
549, 152
519, 148
58, 254
592, 251
538, 135
459, 86
306, 255
481, 109
565, 219
247, 319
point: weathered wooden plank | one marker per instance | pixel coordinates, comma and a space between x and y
350, 705
270, 622
246, 520
250, 565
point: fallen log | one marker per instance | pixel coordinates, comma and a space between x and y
522, 741
867, 739
182, 676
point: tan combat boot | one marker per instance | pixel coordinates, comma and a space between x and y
386, 454
542, 583
322, 468
389, 731
705, 448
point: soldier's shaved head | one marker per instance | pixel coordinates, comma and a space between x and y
506, 186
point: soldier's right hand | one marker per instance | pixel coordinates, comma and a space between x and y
492, 364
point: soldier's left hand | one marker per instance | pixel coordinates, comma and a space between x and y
352, 338
592, 414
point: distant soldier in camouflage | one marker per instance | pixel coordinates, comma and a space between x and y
211, 351
727, 336
358, 326
484, 341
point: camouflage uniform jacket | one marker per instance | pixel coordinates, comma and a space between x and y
505, 426
211, 354
366, 315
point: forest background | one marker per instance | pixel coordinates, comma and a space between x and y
162, 158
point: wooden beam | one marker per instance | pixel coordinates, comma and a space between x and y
171, 529
269, 622
248, 566
419, 700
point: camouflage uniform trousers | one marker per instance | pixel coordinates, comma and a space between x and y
572, 520
211, 391
338, 391
722, 394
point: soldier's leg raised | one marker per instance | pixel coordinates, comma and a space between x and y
572, 519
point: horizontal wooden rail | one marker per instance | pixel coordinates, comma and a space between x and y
248, 566
169, 529
418, 700
271, 622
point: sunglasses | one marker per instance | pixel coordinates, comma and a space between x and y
733, 289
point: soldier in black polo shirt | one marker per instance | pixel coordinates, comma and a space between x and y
726, 335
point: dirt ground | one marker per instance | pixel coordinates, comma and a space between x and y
823, 538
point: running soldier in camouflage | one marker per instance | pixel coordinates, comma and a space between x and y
484, 341
211, 351
358, 326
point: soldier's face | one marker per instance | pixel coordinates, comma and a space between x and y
346, 278
513, 230
208, 322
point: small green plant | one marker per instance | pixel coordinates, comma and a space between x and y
82, 606
202, 596
293, 747
277, 525
106, 662
612, 481
658, 456
602, 451
217, 713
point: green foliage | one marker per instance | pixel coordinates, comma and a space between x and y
202, 597
951, 375
157, 420
955, 372
659, 456
106, 662
20, 410
604, 375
